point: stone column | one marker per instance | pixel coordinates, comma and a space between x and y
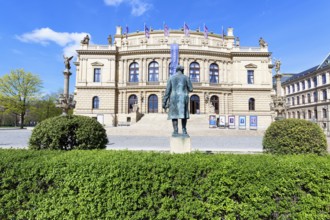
201, 71
160, 70
186, 66
112, 70
206, 71
145, 70
124, 71
125, 101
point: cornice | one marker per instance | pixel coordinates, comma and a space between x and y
251, 54
97, 52
167, 51
96, 87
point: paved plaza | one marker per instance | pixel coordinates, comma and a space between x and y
126, 138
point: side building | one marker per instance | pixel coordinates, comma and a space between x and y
118, 82
307, 94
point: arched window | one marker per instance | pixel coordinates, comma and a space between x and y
153, 104
96, 102
134, 72
251, 104
171, 71
132, 100
194, 72
194, 104
97, 75
153, 71
214, 73
215, 103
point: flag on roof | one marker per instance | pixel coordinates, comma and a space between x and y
186, 29
206, 32
166, 30
146, 31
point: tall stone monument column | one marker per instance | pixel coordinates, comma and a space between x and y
278, 104
65, 101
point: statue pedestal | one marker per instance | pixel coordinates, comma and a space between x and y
180, 145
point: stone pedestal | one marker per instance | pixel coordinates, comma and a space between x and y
180, 145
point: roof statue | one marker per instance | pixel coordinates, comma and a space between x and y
262, 43
110, 40
85, 40
277, 66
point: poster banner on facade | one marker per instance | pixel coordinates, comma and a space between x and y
253, 122
231, 121
242, 122
174, 57
222, 121
213, 121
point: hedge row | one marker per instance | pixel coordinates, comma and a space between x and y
144, 185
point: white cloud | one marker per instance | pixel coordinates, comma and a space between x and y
69, 41
139, 7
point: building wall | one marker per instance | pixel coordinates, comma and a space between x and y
316, 110
114, 89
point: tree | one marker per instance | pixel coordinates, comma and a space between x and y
44, 108
17, 90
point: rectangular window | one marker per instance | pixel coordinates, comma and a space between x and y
97, 75
298, 87
325, 94
292, 100
298, 100
309, 114
315, 96
250, 76
309, 83
309, 98
303, 85
293, 90
303, 99
315, 81
325, 114
288, 89
324, 79
315, 113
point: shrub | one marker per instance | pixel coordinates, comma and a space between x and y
294, 136
145, 185
67, 133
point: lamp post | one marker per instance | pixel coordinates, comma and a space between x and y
65, 101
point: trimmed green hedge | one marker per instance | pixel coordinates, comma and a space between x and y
67, 133
294, 136
142, 185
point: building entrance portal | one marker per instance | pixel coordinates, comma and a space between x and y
215, 103
153, 104
194, 104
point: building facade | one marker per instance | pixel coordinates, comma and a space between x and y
306, 94
116, 83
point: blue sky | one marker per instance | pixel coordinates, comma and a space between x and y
34, 34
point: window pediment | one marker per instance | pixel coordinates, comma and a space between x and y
251, 66
97, 64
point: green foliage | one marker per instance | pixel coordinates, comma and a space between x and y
17, 90
294, 136
44, 108
67, 133
142, 185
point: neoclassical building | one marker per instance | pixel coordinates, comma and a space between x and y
307, 96
118, 82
